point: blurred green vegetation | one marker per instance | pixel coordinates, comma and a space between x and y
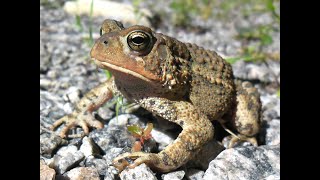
222, 9
185, 9
225, 10
136, 6
52, 4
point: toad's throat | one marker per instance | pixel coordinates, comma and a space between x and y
121, 69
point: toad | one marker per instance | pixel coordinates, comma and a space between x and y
179, 82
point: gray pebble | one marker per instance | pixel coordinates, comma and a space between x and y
272, 132
66, 158
141, 172
175, 175
72, 95
83, 173
162, 138
247, 163
88, 147
49, 142
99, 164
194, 174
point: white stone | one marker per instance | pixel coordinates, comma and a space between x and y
141, 172
109, 9
176, 175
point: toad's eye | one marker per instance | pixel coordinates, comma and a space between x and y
139, 40
101, 32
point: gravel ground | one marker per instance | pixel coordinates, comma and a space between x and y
66, 73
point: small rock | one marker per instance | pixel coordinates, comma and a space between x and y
83, 173
141, 172
109, 177
121, 120
150, 145
46, 173
49, 142
68, 108
176, 175
66, 150
260, 72
105, 113
99, 164
88, 147
270, 106
248, 163
45, 83
51, 105
52, 74
126, 119
273, 177
66, 158
272, 129
103, 138
194, 174
253, 71
163, 138
274, 67
72, 95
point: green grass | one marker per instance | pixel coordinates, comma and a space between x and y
90, 25
119, 104
79, 23
278, 92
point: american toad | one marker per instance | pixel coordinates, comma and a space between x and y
180, 82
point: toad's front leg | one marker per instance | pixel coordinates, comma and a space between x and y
197, 130
82, 115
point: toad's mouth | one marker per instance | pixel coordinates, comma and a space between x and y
119, 69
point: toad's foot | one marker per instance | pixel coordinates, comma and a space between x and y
235, 139
82, 116
83, 119
121, 161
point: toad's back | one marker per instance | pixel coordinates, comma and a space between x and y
212, 85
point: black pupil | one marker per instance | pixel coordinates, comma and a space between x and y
100, 31
138, 40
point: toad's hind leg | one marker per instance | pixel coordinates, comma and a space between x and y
197, 130
246, 114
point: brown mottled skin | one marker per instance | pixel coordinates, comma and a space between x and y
180, 82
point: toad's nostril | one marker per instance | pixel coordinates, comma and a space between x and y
105, 42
